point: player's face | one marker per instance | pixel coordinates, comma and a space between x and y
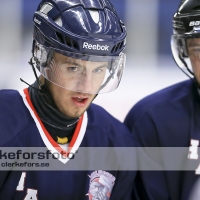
193, 46
76, 74
81, 78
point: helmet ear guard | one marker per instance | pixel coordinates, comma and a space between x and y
40, 54
181, 43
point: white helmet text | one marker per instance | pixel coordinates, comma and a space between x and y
98, 47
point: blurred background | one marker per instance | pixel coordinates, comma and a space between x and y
149, 67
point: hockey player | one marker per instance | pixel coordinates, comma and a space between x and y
77, 48
170, 117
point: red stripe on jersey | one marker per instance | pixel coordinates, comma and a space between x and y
54, 144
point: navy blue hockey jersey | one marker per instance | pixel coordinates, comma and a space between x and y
168, 118
20, 126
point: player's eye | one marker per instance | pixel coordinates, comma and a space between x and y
73, 68
98, 70
195, 50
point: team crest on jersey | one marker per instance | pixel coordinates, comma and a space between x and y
101, 185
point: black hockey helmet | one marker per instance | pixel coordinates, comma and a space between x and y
186, 17
186, 25
88, 31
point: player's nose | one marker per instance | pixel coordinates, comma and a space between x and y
85, 84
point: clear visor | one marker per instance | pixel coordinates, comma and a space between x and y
186, 51
84, 73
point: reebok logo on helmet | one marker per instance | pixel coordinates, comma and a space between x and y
97, 47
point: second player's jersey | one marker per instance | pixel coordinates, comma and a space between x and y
168, 118
20, 126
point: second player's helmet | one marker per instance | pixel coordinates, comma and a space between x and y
75, 40
186, 27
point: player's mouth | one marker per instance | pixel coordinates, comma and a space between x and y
80, 101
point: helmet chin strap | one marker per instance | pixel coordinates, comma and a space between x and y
183, 61
31, 62
194, 79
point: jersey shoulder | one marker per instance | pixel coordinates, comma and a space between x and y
14, 116
176, 94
